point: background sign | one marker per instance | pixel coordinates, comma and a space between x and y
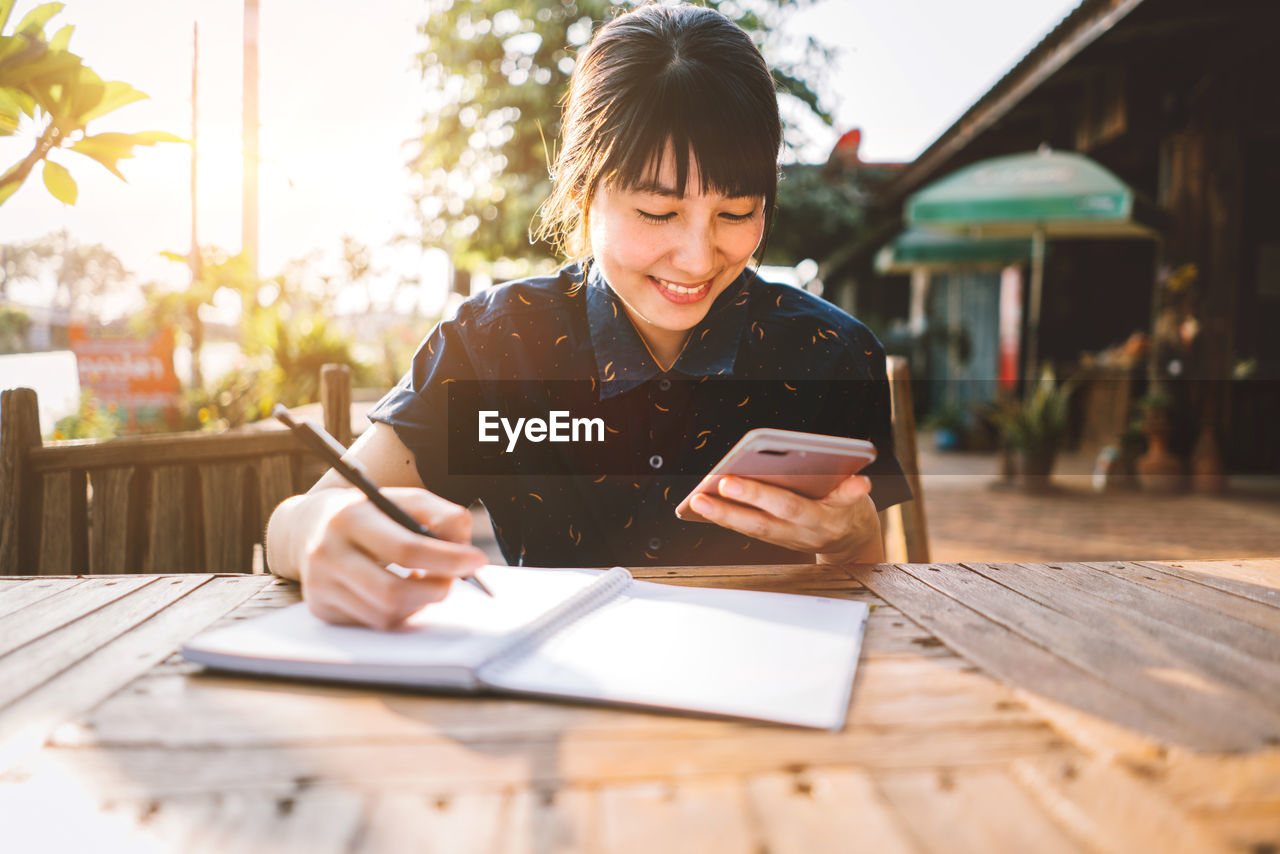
135, 374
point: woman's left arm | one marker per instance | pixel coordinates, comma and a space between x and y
840, 527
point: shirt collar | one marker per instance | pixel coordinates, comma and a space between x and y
622, 359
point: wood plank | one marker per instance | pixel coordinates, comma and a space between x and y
567, 759
20, 488
168, 449
1239, 608
68, 671
114, 545
1111, 646
1255, 579
228, 538
1112, 810
973, 812
16, 596
275, 484
826, 810
427, 823
1167, 631
543, 820
1011, 657
64, 529
911, 514
693, 817
52, 613
173, 535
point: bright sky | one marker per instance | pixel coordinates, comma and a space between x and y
339, 95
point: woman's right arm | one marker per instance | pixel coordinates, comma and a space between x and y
337, 544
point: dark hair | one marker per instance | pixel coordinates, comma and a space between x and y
680, 74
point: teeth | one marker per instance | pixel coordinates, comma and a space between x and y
679, 289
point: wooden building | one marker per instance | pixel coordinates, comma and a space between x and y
1179, 99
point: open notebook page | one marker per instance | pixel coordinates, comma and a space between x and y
440, 645
769, 656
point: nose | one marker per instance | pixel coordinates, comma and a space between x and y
694, 254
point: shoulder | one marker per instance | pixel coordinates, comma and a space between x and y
800, 315
533, 295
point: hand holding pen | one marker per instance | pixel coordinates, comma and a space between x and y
329, 449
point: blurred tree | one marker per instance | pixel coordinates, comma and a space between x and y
816, 215
496, 70
85, 277
42, 79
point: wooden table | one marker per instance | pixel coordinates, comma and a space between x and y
1027, 708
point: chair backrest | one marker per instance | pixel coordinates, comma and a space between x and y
183, 502
906, 535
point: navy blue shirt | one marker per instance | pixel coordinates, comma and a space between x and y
765, 355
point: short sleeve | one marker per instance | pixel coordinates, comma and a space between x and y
865, 412
417, 408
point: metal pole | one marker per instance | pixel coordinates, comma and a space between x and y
249, 205
1033, 304
194, 259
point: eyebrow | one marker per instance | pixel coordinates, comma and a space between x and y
653, 188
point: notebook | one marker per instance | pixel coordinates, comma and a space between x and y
590, 635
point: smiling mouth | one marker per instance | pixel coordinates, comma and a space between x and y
682, 289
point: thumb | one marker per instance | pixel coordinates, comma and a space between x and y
849, 490
442, 517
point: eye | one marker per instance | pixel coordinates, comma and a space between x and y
733, 217
648, 217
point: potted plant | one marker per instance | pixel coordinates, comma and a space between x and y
1032, 428
1158, 469
948, 424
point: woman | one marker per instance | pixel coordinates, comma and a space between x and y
663, 190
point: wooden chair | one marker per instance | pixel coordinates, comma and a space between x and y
906, 536
185, 502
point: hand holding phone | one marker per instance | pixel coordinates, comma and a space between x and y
811, 464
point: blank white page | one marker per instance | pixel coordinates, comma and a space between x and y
438, 645
768, 656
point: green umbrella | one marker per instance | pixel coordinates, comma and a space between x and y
937, 249
1040, 195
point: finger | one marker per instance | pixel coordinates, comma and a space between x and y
387, 599
849, 490
744, 519
775, 500
384, 541
440, 516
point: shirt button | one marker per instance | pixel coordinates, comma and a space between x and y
655, 461
664, 384
654, 544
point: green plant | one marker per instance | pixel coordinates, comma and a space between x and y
94, 420
42, 79
1037, 423
949, 416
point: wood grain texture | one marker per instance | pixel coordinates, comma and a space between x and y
1010, 656
116, 521
18, 594
168, 449
173, 535
1257, 580
20, 496
335, 401
67, 671
228, 533
64, 529
911, 515
827, 810
677, 818
974, 812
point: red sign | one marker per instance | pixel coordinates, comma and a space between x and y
135, 374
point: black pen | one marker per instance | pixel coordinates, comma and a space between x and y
330, 449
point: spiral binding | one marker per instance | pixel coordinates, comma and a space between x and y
586, 600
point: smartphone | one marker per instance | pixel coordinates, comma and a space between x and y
811, 464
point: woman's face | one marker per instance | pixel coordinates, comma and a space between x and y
669, 256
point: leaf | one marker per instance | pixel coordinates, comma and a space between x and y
38, 17
6, 6
115, 95
62, 39
107, 149
60, 182
10, 112
151, 137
